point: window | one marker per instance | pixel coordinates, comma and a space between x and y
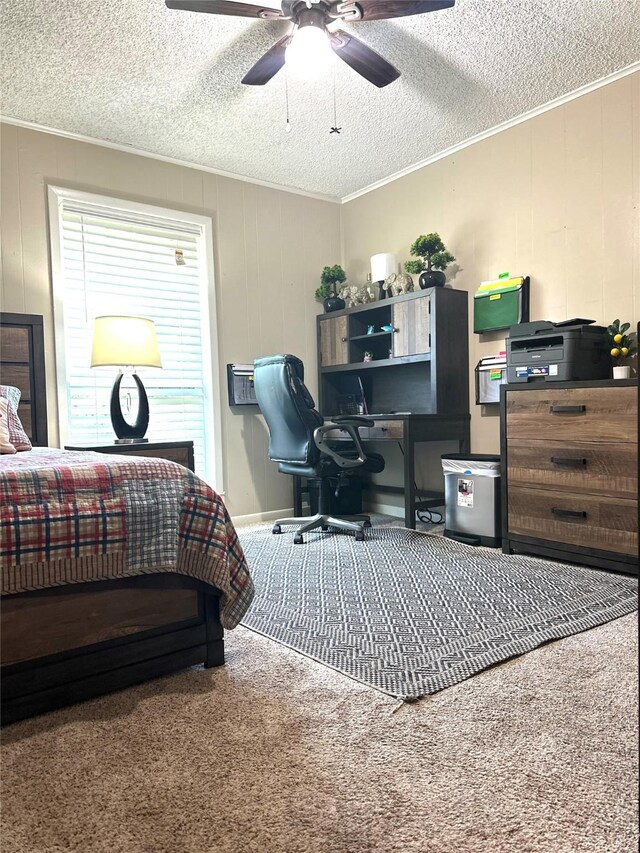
117, 257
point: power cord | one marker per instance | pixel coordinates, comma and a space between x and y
426, 516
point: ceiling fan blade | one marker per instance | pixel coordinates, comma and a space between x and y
376, 10
225, 7
363, 59
268, 65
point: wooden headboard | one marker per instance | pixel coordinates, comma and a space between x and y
22, 365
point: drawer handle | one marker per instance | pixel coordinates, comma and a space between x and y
567, 410
568, 513
568, 461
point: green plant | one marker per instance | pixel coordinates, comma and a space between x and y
431, 252
329, 277
621, 344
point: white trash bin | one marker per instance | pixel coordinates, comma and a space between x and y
472, 498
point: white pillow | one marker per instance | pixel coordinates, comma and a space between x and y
5, 444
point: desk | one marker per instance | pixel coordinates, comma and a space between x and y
409, 430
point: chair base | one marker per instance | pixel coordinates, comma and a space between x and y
352, 523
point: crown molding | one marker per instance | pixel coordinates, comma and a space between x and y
557, 102
550, 105
140, 152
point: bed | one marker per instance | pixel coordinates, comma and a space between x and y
115, 569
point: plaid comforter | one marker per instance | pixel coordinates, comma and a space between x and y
72, 517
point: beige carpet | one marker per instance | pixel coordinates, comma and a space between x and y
275, 753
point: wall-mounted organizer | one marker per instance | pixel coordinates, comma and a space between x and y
491, 372
240, 385
501, 304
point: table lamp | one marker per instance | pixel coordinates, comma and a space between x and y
382, 265
126, 342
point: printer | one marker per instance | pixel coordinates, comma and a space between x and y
560, 352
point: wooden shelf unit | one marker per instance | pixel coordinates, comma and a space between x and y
422, 366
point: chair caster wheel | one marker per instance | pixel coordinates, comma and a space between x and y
324, 528
276, 528
360, 536
297, 539
366, 524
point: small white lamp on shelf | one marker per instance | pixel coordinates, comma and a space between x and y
382, 265
126, 342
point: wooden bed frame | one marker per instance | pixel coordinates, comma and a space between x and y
66, 644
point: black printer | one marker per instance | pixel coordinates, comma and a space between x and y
559, 352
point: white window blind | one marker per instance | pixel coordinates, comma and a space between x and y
132, 262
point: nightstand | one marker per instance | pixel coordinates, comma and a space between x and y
175, 451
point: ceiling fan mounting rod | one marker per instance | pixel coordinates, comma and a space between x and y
310, 18
331, 10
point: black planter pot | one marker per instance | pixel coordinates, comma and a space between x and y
435, 278
333, 303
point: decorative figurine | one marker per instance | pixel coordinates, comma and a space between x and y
354, 295
398, 283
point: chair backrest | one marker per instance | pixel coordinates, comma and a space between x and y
288, 409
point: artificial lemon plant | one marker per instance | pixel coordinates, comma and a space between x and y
621, 344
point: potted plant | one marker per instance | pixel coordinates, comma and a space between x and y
329, 278
433, 260
622, 346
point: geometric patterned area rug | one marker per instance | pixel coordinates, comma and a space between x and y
411, 613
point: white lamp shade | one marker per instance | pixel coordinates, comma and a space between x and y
309, 51
382, 265
124, 341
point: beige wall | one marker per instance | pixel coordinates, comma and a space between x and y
269, 248
556, 198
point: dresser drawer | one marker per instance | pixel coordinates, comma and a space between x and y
576, 414
574, 467
586, 520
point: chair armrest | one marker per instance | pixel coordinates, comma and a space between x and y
353, 419
323, 447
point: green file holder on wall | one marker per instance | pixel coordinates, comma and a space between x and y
501, 304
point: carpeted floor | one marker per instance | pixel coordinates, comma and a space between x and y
411, 613
275, 753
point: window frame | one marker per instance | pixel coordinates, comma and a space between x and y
57, 196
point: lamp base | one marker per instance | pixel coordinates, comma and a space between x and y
130, 440
129, 433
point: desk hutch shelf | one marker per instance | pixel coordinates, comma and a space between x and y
421, 366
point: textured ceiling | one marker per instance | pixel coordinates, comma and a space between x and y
134, 72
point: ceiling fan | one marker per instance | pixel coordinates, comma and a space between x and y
311, 18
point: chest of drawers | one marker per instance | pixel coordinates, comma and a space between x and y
570, 472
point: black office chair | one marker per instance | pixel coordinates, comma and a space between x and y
298, 441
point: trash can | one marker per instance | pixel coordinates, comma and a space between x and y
472, 498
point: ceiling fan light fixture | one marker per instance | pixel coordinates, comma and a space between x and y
312, 45
309, 49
